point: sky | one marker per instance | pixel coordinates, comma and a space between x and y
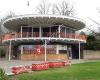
84, 9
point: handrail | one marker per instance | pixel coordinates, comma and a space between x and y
45, 34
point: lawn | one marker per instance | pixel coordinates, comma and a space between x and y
82, 71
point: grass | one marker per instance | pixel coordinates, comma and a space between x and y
82, 71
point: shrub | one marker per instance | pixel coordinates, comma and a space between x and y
92, 43
2, 51
3, 76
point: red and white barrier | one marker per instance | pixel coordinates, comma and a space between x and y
59, 64
41, 66
20, 69
55, 64
66, 63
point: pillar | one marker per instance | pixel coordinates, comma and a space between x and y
9, 57
45, 51
21, 31
59, 30
50, 32
15, 35
79, 50
65, 32
32, 31
21, 49
40, 31
57, 49
67, 51
69, 47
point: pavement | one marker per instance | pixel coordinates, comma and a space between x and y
7, 65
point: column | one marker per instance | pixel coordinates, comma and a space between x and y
27, 31
15, 35
21, 49
40, 31
50, 32
45, 51
71, 53
75, 35
79, 50
65, 32
67, 51
32, 31
59, 30
9, 51
70, 36
21, 31
57, 49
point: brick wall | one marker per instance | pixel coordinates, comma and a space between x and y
40, 57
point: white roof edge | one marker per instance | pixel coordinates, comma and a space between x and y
36, 15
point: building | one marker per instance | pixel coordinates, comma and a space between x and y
44, 37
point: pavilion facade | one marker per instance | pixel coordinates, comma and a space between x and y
44, 38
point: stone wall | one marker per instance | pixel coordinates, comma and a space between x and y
91, 54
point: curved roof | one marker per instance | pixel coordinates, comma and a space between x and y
43, 21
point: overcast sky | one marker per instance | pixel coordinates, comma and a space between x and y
84, 8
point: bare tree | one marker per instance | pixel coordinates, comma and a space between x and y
9, 15
1, 32
98, 24
53, 9
43, 7
64, 8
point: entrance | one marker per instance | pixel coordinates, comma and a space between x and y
75, 51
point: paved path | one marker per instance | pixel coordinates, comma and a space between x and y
7, 65
76, 61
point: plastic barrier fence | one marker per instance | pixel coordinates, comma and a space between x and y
21, 69
40, 66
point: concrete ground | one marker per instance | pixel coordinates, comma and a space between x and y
7, 65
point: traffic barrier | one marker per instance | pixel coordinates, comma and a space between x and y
66, 63
55, 64
21, 69
41, 66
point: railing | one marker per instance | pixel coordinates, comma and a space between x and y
45, 34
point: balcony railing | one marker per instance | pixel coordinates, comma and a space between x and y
44, 34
